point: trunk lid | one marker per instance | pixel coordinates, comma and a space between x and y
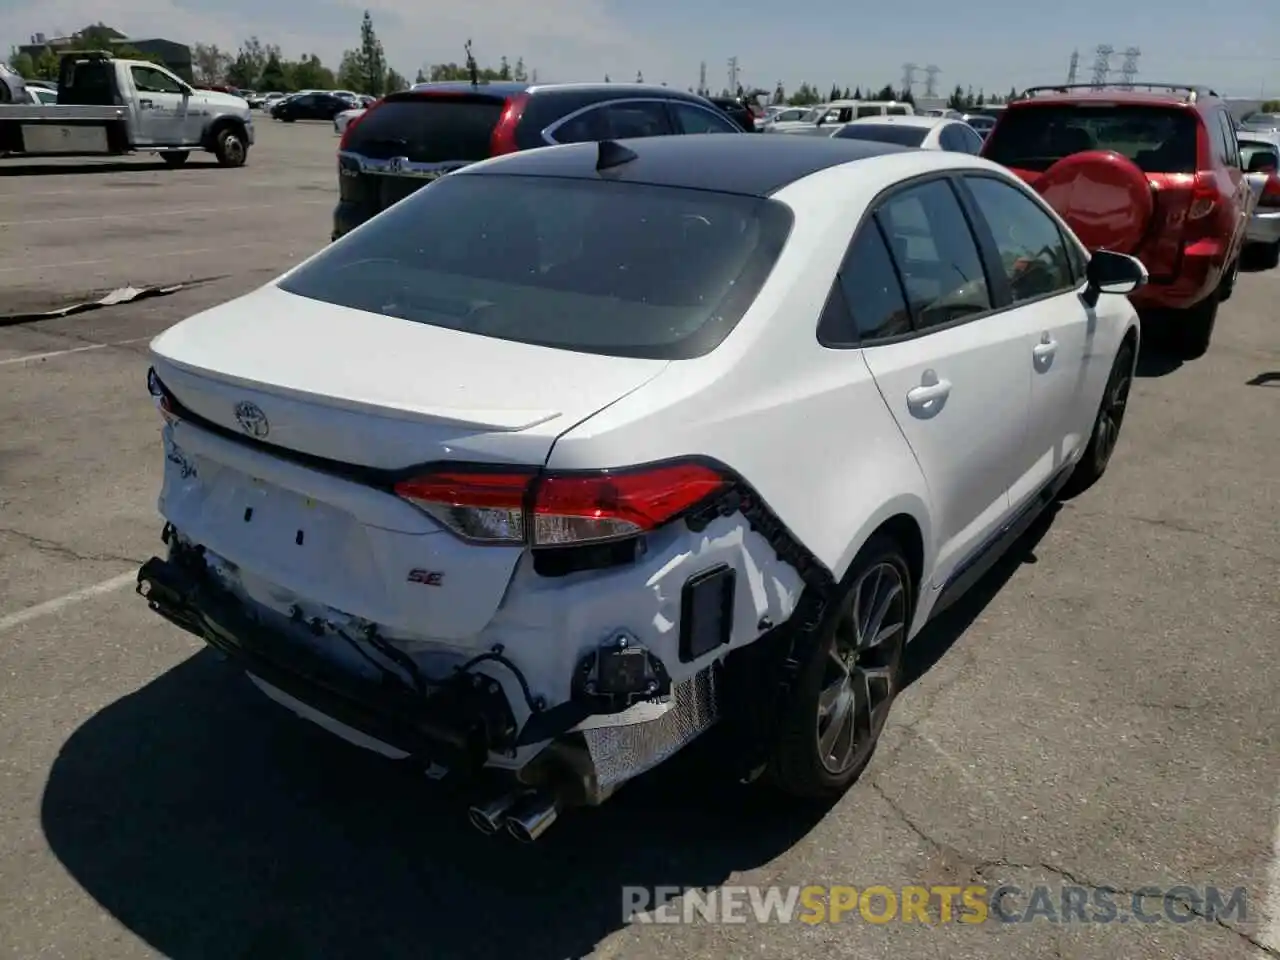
381, 392
362, 394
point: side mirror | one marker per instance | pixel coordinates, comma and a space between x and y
1110, 272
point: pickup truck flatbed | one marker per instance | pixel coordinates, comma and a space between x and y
110, 107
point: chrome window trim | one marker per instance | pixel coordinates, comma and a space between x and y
548, 132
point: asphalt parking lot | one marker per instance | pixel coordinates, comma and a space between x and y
1101, 712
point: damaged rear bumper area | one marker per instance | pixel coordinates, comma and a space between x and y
626, 717
455, 724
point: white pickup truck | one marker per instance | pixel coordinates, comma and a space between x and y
109, 107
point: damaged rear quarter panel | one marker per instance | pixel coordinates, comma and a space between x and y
547, 624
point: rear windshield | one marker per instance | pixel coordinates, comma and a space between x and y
428, 130
883, 132
1256, 155
622, 269
1156, 139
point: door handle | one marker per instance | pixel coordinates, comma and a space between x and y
1045, 349
928, 393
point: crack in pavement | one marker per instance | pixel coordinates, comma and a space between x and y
1178, 528
44, 545
978, 866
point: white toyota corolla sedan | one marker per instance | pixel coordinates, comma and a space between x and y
579, 452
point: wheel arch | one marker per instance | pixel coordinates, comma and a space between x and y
905, 520
224, 123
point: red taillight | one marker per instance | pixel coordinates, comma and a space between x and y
354, 121
1271, 192
1204, 197
503, 139
161, 397
561, 509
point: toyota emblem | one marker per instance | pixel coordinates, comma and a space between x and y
252, 420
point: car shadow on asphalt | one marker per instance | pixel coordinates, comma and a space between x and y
941, 634
1157, 357
105, 166
212, 823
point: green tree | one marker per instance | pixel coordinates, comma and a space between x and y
520, 74
394, 82
639, 77
969, 100
908, 97
23, 64
47, 65
250, 60
1271, 106
351, 72
956, 100
421, 77
210, 63
886, 93
308, 73
606, 79
982, 98
504, 69
372, 59
779, 94
857, 93
273, 76
1013, 94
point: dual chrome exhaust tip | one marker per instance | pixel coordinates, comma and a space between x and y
525, 816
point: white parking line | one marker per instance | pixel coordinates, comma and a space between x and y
28, 358
58, 604
152, 214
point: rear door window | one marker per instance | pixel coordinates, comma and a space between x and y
428, 130
691, 118
936, 254
596, 266
1032, 250
615, 121
1157, 139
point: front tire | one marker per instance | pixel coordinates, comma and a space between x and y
847, 686
229, 147
1106, 426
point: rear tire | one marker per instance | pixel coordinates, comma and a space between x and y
847, 685
1106, 425
229, 147
175, 158
1193, 327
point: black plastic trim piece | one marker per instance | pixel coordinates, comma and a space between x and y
693, 643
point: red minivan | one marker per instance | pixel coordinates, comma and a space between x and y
1154, 172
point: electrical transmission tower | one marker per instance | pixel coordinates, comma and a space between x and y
1129, 68
733, 75
908, 77
931, 80
1102, 63
1073, 66
702, 78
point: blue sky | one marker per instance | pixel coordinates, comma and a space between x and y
989, 44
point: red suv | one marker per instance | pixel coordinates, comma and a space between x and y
1154, 172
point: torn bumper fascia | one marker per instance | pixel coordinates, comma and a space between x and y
539, 636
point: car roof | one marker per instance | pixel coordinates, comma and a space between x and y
742, 163
905, 120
